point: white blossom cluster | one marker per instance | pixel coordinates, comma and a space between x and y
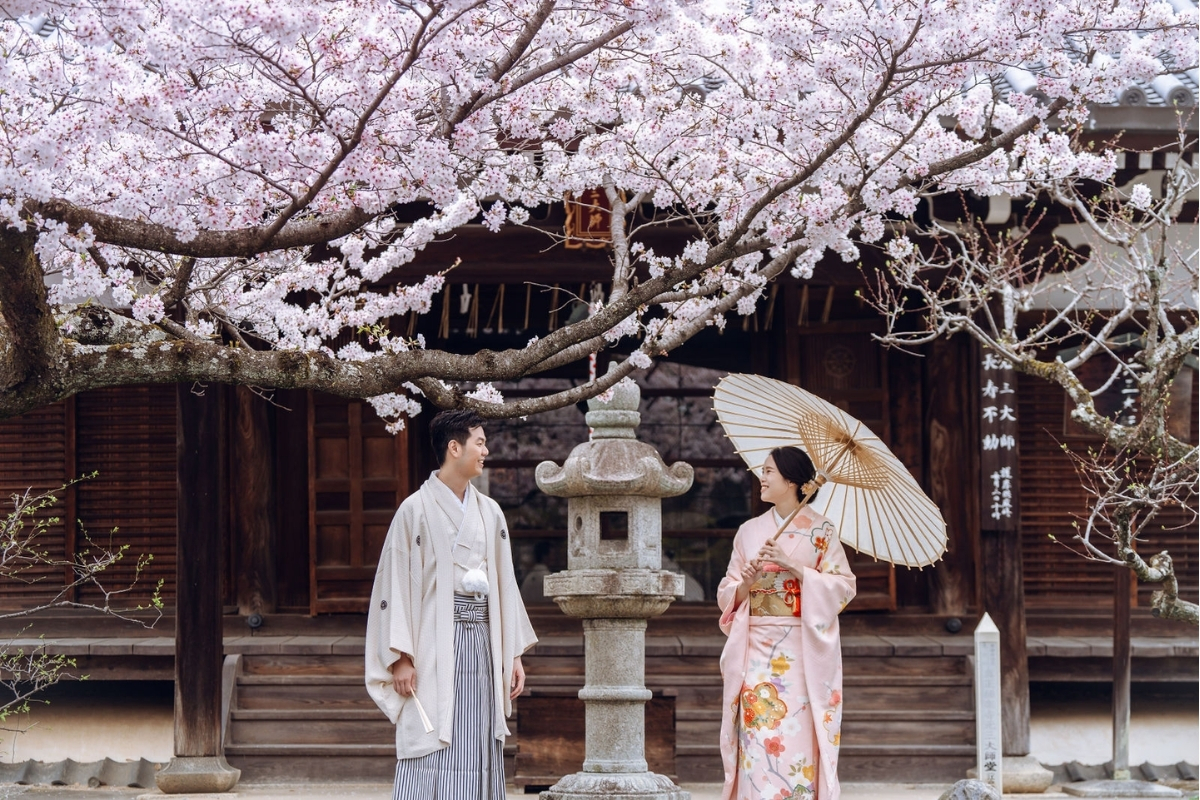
828, 120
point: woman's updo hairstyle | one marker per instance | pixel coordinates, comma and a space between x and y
795, 466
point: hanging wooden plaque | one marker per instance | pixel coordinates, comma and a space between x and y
589, 220
998, 443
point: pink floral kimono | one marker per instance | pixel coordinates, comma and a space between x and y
782, 664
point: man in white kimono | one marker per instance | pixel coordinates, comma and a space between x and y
446, 627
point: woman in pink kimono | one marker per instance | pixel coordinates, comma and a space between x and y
782, 663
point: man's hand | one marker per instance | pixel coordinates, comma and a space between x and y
518, 679
404, 676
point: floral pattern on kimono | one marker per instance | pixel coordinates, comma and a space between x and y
782, 665
776, 737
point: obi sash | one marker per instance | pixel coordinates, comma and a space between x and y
775, 593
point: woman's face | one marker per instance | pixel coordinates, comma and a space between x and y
774, 489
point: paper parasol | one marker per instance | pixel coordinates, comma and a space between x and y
868, 494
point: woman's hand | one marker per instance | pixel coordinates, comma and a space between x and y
773, 552
749, 573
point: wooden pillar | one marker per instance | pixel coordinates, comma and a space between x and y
949, 424
291, 493
198, 572
906, 428
789, 328
1000, 539
252, 495
1004, 599
201, 515
905, 404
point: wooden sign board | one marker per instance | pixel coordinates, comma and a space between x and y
998, 443
589, 220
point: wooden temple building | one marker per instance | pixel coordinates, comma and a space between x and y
265, 513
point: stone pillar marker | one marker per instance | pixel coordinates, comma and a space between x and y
1011, 774
614, 582
988, 745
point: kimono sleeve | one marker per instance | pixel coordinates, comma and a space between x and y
524, 636
390, 618
830, 585
727, 590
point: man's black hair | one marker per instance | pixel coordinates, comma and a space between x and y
451, 426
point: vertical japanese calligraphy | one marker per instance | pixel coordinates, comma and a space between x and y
589, 219
998, 442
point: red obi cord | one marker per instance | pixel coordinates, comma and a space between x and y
791, 588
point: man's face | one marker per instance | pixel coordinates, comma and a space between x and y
467, 459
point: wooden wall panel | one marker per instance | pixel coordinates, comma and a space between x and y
1052, 498
127, 435
34, 456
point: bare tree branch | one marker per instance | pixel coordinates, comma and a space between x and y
1128, 304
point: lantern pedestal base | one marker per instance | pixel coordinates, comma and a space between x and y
615, 786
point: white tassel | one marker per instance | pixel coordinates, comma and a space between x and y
424, 717
475, 582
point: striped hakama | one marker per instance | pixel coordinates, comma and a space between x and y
472, 766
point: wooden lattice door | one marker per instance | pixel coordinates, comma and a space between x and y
37, 454
126, 437
357, 476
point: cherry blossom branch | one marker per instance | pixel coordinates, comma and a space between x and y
242, 243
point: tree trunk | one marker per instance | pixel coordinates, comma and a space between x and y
1122, 664
253, 497
29, 340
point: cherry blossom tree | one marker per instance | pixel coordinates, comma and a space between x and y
207, 190
1116, 330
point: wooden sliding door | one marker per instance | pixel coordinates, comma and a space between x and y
357, 476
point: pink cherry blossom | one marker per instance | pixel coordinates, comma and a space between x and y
184, 143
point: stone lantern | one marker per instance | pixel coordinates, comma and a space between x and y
614, 582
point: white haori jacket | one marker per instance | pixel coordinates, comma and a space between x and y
412, 611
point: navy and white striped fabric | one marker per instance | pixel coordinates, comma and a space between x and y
472, 767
